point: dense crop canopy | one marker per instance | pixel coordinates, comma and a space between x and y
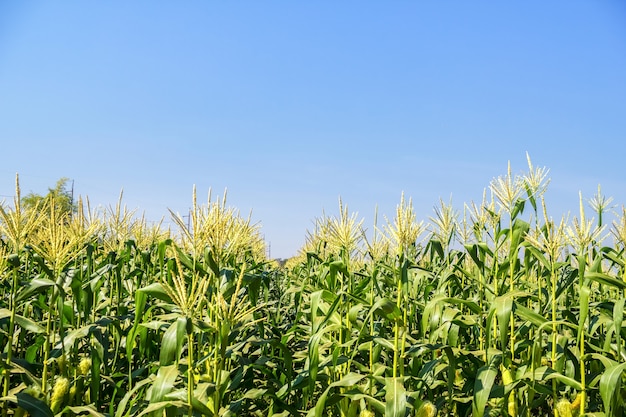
498, 310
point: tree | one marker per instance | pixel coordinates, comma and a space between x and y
62, 197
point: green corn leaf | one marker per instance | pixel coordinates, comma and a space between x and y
539, 255
605, 279
353, 313
131, 394
432, 311
348, 380
583, 299
210, 259
28, 324
140, 305
461, 302
317, 303
520, 228
314, 359
41, 262
255, 393
161, 405
504, 306
339, 266
35, 286
618, 318
488, 327
472, 250
385, 343
78, 334
23, 322
387, 309
374, 403
34, 406
318, 300
33, 349
606, 362
482, 388
156, 290
85, 409
544, 374
196, 404
436, 248
286, 357
188, 262
518, 208
478, 253
163, 383
611, 386
529, 315
172, 342
336, 299
395, 397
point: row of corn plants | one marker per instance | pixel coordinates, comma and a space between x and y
496, 310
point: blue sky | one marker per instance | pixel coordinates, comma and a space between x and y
290, 105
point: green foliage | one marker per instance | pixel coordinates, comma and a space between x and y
60, 195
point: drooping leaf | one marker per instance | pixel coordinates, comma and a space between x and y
387, 309
605, 279
35, 286
527, 314
156, 290
611, 386
34, 406
539, 255
88, 409
544, 374
28, 324
23, 322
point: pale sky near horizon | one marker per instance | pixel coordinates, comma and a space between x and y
290, 105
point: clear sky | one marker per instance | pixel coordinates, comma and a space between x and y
290, 105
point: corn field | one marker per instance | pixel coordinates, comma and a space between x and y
496, 310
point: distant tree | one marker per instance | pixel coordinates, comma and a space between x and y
60, 194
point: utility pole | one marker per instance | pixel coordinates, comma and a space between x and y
188, 217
